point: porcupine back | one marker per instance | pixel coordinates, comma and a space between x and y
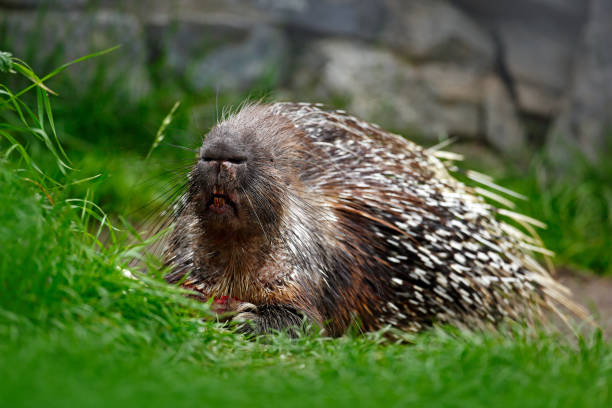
372, 228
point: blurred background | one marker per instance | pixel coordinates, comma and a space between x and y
522, 88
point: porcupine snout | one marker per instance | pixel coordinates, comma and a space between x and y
218, 175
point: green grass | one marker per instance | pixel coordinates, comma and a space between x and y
75, 331
218, 369
577, 209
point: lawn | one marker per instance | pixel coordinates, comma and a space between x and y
76, 330
215, 368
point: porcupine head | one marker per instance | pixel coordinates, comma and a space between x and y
250, 218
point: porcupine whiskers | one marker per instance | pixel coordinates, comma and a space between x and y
254, 210
160, 211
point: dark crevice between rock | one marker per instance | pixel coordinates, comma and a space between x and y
536, 125
500, 65
536, 128
298, 40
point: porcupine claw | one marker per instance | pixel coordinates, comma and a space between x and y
228, 308
245, 312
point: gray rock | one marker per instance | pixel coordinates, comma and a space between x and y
178, 43
354, 18
547, 11
52, 4
51, 39
539, 64
351, 18
436, 30
536, 42
585, 123
451, 82
231, 54
503, 129
262, 56
382, 87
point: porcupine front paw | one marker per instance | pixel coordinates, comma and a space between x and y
242, 314
256, 320
247, 320
229, 308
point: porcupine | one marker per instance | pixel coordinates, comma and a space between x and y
294, 213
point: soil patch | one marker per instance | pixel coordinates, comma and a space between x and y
593, 292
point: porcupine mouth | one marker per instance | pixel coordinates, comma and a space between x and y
220, 202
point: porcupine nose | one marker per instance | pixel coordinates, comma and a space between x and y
223, 152
224, 162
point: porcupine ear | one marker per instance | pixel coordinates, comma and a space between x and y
528, 240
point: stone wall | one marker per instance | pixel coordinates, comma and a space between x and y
508, 74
